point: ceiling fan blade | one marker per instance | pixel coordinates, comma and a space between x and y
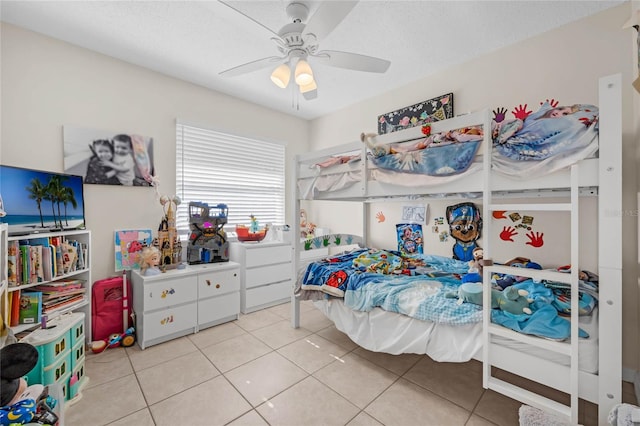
251, 66
273, 33
310, 95
328, 15
352, 61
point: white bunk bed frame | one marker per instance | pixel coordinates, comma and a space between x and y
604, 173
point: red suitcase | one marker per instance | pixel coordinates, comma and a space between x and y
107, 306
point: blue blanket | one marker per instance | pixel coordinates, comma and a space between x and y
419, 291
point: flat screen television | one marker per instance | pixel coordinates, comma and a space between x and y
36, 201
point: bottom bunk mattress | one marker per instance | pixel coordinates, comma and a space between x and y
390, 332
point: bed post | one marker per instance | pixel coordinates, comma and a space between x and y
295, 237
610, 245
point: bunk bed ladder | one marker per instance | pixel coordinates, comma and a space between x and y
490, 330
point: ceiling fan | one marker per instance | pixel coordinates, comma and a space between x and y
298, 42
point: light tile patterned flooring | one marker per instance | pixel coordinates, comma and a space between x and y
260, 371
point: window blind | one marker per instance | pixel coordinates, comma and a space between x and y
247, 175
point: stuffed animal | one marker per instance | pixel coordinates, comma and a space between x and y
504, 281
17, 360
509, 300
475, 267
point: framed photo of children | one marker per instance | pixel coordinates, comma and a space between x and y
108, 158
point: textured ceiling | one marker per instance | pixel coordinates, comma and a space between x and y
195, 40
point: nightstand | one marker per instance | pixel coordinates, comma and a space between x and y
266, 273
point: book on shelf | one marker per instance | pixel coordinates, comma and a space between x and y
46, 264
60, 285
26, 264
56, 295
30, 307
13, 249
69, 257
59, 268
36, 271
52, 306
14, 319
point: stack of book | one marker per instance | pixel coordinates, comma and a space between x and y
60, 294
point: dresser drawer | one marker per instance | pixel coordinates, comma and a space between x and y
218, 283
216, 308
170, 320
267, 294
267, 255
77, 333
55, 371
77, 354
267, 274
169, 292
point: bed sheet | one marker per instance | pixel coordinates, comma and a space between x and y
382, 331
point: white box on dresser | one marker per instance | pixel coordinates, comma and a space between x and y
184, 301
266, 273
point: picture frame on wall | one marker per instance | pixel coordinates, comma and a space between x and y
108, 158
435, 109
127, 246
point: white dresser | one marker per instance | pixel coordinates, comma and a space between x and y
184, 301
266, 277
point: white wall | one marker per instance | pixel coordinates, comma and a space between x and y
563, 64
47, 84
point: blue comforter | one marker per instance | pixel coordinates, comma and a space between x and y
420, 291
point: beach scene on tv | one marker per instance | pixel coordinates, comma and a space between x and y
40, 201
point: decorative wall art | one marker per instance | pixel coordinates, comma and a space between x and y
108, 158
410, 238
127, 247
436, 109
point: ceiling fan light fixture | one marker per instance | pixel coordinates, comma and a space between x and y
308, 87
281, 75
304, 74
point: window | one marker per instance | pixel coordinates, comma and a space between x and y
218, 168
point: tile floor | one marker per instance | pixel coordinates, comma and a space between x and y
260, 371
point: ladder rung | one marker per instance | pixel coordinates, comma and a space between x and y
551, 207
529, 398
550, 345
536, 274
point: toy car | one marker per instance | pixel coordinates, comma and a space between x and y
125, 339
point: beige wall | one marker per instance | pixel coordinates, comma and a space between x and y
47, 84
563, 64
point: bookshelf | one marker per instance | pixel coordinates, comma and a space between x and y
44, 263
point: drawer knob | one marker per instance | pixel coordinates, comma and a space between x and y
217, 285
209, 282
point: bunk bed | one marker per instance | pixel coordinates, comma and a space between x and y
583, 368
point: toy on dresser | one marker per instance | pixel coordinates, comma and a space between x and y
149, 261
168, 243
208, 241
19, 403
